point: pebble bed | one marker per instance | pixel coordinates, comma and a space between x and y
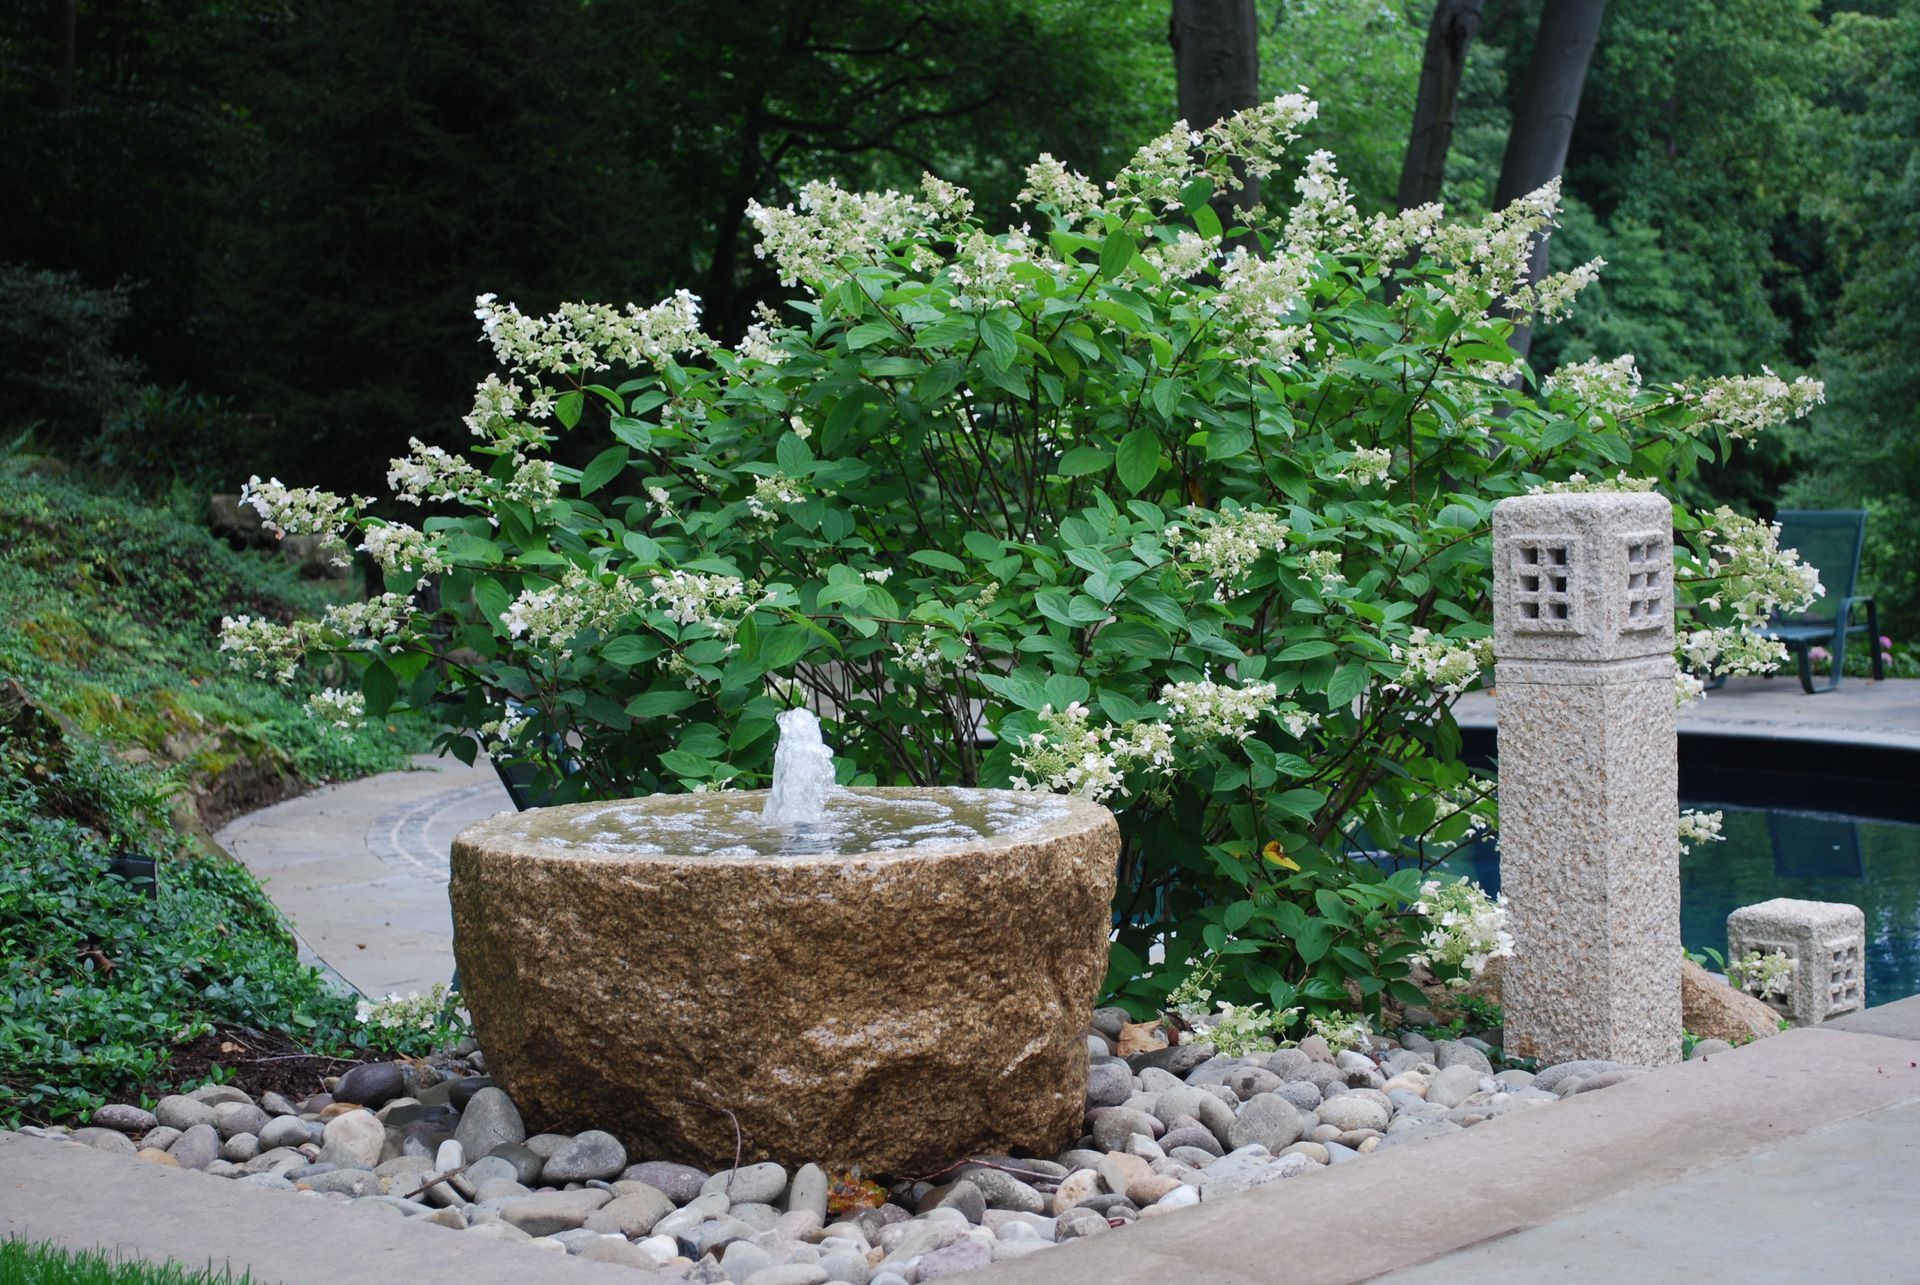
439, 1143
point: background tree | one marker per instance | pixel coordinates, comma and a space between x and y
1449, 36
1216, 54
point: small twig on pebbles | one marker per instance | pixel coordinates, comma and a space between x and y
438, 1179
1030, 1174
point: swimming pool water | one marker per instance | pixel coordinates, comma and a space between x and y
1813, 856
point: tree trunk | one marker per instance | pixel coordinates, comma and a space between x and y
1448, 37
1543, 115
1217, 64
61, 31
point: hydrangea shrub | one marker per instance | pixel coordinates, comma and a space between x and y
1106, 502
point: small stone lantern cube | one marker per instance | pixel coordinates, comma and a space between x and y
1826, 940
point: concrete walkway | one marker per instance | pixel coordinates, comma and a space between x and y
1789, 1160
1858, 712
361, 868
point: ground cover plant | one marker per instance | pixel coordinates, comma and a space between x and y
121, 736
1188, 519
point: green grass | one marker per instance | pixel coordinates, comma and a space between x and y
25, 1263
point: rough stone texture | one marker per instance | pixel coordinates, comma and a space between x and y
1826, 941
1589, 806
1714, 1010
857, 1012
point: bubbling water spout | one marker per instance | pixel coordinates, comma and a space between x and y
802, 772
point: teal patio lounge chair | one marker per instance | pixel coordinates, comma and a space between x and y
1829, 540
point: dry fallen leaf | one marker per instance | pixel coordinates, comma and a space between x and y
1141, 1037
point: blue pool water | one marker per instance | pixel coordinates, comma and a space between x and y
1814, 856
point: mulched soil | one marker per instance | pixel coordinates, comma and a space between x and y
258, 1061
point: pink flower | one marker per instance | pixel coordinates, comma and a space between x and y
1886, 658
1886, 643
1819, 655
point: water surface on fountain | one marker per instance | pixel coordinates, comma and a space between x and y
731, 824
804, 814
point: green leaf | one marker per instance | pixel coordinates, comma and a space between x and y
794, 458
633, 433
1138, 458
1082, 460
1225, 442
669, 700
869, 333
1205, 221
681, 763
631, 649
1348, 682
1116, 253
603, 468
939, 561
1307, 650
567, 409
381, 687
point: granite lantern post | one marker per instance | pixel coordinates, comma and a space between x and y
1589, 803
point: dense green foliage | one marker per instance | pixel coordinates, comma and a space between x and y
1204, 536
119, 732
111, 610
26, 1263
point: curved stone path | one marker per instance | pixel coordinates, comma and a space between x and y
361, 868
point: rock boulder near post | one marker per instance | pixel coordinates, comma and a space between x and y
1589, 771
894, 1009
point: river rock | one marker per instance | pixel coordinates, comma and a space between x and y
373, 1085
235, 1118
1454, 1053
355, 1138
680, 1183
490, 1119
1350, 1112
1108, 1084
1552, 1077
197, 1148
757, 1184
962, 1067
104, 1139
554, 1211
1453, 1085
125, 1118
177, 1111
1004, 1191
1269, 1120
592, 1154
631, 1215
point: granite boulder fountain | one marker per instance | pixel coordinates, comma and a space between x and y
891, 978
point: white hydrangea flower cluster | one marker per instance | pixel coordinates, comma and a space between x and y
1580, 482
375, 624
1551, 297
498, 406
1698, 827
1465, 929
507, 726
694, 598
399, 547
1323, 565
1768, 975
1259, 136
984, 268
341, 709
1298, 722
410, 1011
1187, 256
1255, 298
1161, 167
1744, 406
1211, 711
771, 494
430, 473
591, 336
1367, 465
1323, 219
550, 617
1761, 578
263, 648
1228, 543
1071, 755
1463, 798
1391, 237
919, 654
1598, 387
949, 201
1343, 1031
832, 224
1494, 256
296, 510
1051, 183
1431, 659
1237, 1030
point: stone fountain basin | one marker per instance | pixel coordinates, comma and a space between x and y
893, 1009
